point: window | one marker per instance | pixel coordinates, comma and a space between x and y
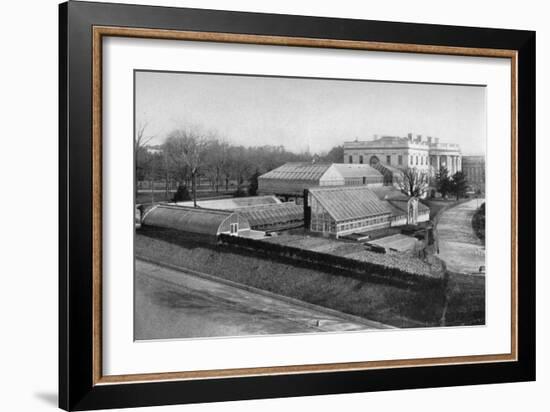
360, 159
422, 160
350, 159
400, 160
234, 228
416, 160
388, 160
364, 180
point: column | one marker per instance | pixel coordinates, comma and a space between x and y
437, 163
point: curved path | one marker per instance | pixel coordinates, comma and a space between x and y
459, 247
176, 303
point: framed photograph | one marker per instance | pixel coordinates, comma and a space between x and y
256, 205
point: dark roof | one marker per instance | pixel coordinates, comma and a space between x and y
350, 202
298, 171
273, 214
397, 241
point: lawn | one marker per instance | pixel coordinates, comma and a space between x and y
160, 196
460, 301
144, 198
466, 302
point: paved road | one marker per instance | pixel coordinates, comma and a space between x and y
173, 304
459, 246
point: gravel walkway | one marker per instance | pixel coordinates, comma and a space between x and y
459, 247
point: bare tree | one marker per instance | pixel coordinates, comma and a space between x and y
241, 165
140, 142
166, 165
226, 162
187, 147
214, 159
415, 182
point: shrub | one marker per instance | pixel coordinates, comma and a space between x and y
182, 194
239, 193
478, 222
253, 184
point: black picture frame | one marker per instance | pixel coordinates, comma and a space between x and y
77, 390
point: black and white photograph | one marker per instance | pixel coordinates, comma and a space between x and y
269, 205
273, 206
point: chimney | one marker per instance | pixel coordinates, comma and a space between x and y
418, 138
307, 210
410, 136
375, 137
430, 139
437, 140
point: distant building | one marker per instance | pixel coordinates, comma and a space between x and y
402, 152
291, 179
154, 149
474, 169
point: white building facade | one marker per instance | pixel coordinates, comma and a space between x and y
405, 152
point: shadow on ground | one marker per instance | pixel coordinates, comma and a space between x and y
49, 398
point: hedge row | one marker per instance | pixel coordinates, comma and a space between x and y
353, 267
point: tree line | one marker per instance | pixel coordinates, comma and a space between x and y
416, 183
447, 184
191, 154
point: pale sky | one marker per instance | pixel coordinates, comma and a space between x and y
312, 114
